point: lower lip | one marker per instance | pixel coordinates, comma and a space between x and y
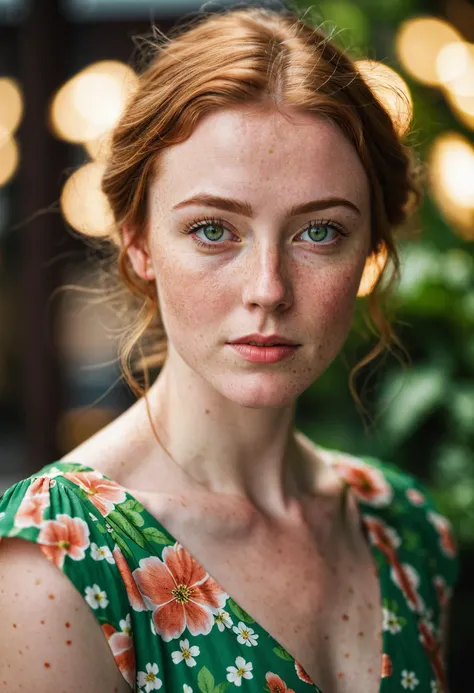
263, 354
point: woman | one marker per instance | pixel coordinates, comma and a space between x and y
202, 542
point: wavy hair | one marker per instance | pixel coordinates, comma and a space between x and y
250, 56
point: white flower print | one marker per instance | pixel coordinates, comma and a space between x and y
242, 670
187, 689
409, 680
223, 620
126, 625
2, 515
149, 678
98, 553
152, 626
187, 653
435, 686
93, 517
247, 636
391, 622
96, 597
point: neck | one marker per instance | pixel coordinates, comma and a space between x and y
224, 447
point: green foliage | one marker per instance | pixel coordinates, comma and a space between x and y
422, 414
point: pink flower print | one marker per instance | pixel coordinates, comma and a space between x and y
446, 537
105, 494
302, 674
415, 497
276, 684
367, 482
123, 651
63, 536
35, 501
134, 597
180, 593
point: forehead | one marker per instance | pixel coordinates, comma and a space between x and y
255, 152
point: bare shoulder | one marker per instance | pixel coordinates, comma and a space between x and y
113, 450
52, 640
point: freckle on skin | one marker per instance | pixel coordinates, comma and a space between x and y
348, 654
42, 623
340, 675
38, 581
47, 665
67, 624
68, 642
50, 596
14, 625
360, 633
345, 617
369, 670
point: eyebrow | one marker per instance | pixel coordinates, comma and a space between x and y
245, 209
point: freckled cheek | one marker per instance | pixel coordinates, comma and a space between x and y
191, 301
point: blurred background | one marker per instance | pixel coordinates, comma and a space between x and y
64, 76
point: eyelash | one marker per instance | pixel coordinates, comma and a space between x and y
200, 222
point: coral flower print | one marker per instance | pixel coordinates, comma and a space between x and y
246, 635
409, 680
302, 674
368, 483
104, 493
149, 679
180, 592
276, 684
63, 536
134, 597
223, 620
186, 653
96, 598
414, 496
446, 537
387, 668
242, 670
98, 553
35, 501
121, 646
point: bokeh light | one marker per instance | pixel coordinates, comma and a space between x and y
418, 43
451, 177
374, 266
9, 156
91, 102
83, 203
391, 90
11, 104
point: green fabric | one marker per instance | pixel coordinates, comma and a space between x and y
184, 633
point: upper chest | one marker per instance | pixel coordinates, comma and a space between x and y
313, 587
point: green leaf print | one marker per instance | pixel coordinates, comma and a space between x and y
121, 543
411, 539
154, 534
239, 612
132, 509
100, 527
205, 681
283, 654
118, 519
221, 687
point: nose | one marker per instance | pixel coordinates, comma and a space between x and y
266, 282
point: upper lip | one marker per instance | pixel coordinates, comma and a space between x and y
264, 339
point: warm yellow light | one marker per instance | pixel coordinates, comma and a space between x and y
374, 266
418, 43
455, 67
91, 103
451, 177
83, 203
9, 156
11, 104
99, 148
391, 90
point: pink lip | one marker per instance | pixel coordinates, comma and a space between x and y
264, 354
263, 340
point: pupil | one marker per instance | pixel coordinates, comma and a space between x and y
211, 226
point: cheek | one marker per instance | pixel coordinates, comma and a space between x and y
190, 300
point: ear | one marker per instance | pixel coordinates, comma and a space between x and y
138, 253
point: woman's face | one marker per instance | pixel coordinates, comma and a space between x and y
264, 270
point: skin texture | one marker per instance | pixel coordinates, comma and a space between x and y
228, 423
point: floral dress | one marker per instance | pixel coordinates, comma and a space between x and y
171, 626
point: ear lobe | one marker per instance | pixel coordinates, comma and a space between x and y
138, 253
